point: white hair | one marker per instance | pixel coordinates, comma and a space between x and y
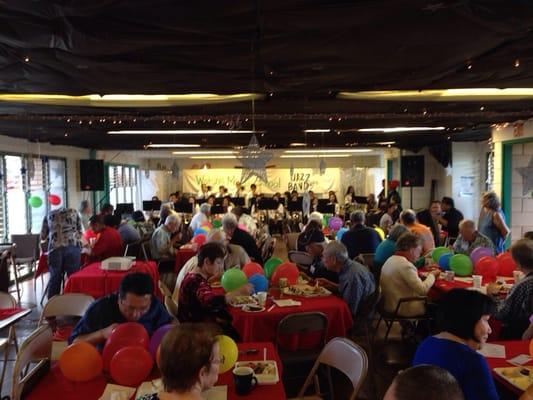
229, 221
172, 218
336, 249
205, 208
216, 235
315, 215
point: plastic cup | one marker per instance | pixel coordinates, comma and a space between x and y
476, 281
262, 298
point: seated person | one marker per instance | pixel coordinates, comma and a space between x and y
408, 218
387, 248
127, 231
312, 225
245, 220
133, 303
144, 227
197, 300
109, 242
189, 362
463, 316
518, 306
200, 218
356, 283
242, 238
314, 242
164, 238
360, 238
469, 238
528, 333
386, 222
430, 218
399, 277
235, 257
439, 384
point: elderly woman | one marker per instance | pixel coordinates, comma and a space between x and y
492, 221
189, 362
387, 248
464, 319
198, 302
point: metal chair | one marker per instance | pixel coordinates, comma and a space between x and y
291, 240
65, 305
7, 301
37, 348
135, 249
302, 259
345, 356
26, 252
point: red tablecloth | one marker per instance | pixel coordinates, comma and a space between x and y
512, 349
8, 312
42, 264
54, 385
182, 256
94, 281
261, 327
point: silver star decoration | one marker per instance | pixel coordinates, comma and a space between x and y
527, 177
254, 159
175, 170
322, 166
448, 170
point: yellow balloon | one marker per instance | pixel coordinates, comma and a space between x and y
380, 232
228, 353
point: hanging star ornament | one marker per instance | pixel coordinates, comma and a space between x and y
322, 166
527, 177
448, 170
254, 159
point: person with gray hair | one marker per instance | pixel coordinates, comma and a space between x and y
470, 238
164, 238
201, 217
240, 237
360, 238
492, 221
387, 248
356, 283
408, 218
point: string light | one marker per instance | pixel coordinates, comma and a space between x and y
516, 63
26, 59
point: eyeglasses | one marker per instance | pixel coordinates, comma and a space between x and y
218, 360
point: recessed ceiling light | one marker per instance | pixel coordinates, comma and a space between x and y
317, 130
385, 143
328, 151
297, 144
212, 157
468, 94
315, 155
178, 132
203, 152
403, 129
170, 145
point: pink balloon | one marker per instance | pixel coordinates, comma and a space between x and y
479, 253
241, 226
252, 268
286, 270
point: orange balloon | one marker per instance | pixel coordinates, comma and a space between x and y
131, 365
81, 362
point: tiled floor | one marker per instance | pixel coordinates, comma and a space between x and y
376, 383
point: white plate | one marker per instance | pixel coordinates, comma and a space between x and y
246, 309
262, 379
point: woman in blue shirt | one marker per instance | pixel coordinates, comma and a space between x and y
387, 248
492, 221
463, 316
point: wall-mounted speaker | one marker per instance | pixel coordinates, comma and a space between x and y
91, 175
412, 171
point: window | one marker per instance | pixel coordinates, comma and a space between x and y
30, 186
122, 180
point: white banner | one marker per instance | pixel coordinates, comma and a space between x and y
279, 180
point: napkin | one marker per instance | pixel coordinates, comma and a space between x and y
149, 387
216, 393
287, 303
117, 392
492, 350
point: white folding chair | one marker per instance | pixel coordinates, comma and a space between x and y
25, 252
7, 301
302, 259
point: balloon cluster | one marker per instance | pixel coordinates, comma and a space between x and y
36, 201
200, 234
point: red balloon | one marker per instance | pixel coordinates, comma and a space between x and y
487, 267
252, 268
506, 264
54, 199
124, 335
199, 239
286, 270
131, 366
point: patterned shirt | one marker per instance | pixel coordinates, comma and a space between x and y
516, 309
198, 302
62, 228
356, 283
160, 246
464, 247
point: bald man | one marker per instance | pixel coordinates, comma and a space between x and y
470, 238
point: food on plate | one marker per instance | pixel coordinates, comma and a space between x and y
242, 300
521, 377
306, 290
262, 368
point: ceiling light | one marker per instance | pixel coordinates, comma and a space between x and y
170, 145
317, 130
212, 157
385, 143
403, 129
469, 94
328, 151
297, 144
315, 155
203, 152
178, 132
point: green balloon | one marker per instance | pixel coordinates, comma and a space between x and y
271, 265
233, 279
217, 223
35, 201
461, 264
439, 251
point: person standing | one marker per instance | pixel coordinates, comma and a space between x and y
86, 212
430, 218
62, 228
492, 221
450, 218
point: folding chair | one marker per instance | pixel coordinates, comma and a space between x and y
26, 252
7, 301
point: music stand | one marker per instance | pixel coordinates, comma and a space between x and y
294, 206
326, 208
361, 199
124, 209
217, 209
238, 201
151, 205
218, 201
268, 204
183, 207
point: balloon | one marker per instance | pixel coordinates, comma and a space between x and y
531, 347
199, 239
233, 279
204, 229
380, 232
157, 337
252, 268
506, 264
340, 233
480, 252
271, 265
259, 282
461, 265
242, 227
198, 231
207, 224
439, 251
54, 199
81, 362
444, 261
228, 353
286, 270
487, 267
35, 201
131, 365
335, 223
217, 223
128, 334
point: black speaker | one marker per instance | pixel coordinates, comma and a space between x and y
412, 168
91, 175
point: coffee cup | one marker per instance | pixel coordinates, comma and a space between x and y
283, 283
262, 298
244, 380
476, 281
449, 276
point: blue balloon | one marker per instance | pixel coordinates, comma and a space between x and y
444, 261
259, 282
198, 231
340, 233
